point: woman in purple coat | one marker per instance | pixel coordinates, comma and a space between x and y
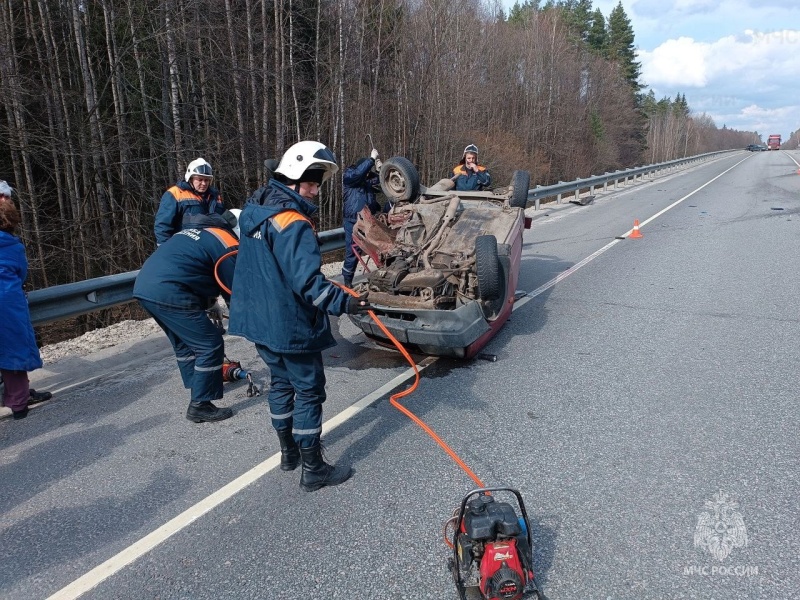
18, 350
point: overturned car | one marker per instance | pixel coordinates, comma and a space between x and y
444, 264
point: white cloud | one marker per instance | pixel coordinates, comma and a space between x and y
750, 59
748, 81
675, 63
757, 118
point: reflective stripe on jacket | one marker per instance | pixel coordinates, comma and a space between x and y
470, 182
181, 272
179, 207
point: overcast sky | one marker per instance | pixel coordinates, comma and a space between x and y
736, 60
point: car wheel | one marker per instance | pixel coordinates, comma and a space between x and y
399, 179
488, 267
520, 184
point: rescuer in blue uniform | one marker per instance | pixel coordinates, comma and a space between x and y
187, 200
360, 182
281, 302
468, 175
178, 283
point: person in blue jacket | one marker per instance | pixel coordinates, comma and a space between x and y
18, 350
281, 302
360, 182
177, 284
468, 175
187, 200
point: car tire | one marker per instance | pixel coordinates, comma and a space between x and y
520, 183
487, 266
399, 179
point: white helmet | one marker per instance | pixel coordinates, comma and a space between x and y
308, 156
198, 166
236, 212
5, 189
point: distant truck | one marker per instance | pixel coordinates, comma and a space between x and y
774, 142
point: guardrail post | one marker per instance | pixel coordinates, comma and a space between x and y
558, 199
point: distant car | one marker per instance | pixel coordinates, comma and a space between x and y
753, 147
447, 261
763, 148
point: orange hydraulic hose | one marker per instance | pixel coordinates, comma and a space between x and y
393, 398
216, 266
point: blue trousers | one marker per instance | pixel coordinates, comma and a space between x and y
198, 346
296, 393
350, 260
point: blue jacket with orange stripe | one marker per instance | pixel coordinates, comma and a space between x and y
281, 299
180, 206
181, 272
469, 181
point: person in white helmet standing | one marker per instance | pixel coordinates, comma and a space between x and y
281, 302
186, 200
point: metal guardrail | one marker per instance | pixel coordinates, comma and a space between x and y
557, 190
74, 299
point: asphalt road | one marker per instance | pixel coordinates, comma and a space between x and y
640, 385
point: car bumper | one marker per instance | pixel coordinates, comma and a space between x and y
436, 332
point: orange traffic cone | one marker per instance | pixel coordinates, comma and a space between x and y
635, 233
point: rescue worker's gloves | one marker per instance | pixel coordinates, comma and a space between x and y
357, 305
375, 156
216, 313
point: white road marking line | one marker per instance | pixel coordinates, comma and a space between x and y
138, 549
689, 195
561, 276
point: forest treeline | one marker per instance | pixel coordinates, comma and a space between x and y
104, 102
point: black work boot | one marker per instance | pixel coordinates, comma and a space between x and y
290, 452
36, 397
317, 473
207, 412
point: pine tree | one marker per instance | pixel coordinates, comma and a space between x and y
620, 46
578, 15
598, 34
520, 13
